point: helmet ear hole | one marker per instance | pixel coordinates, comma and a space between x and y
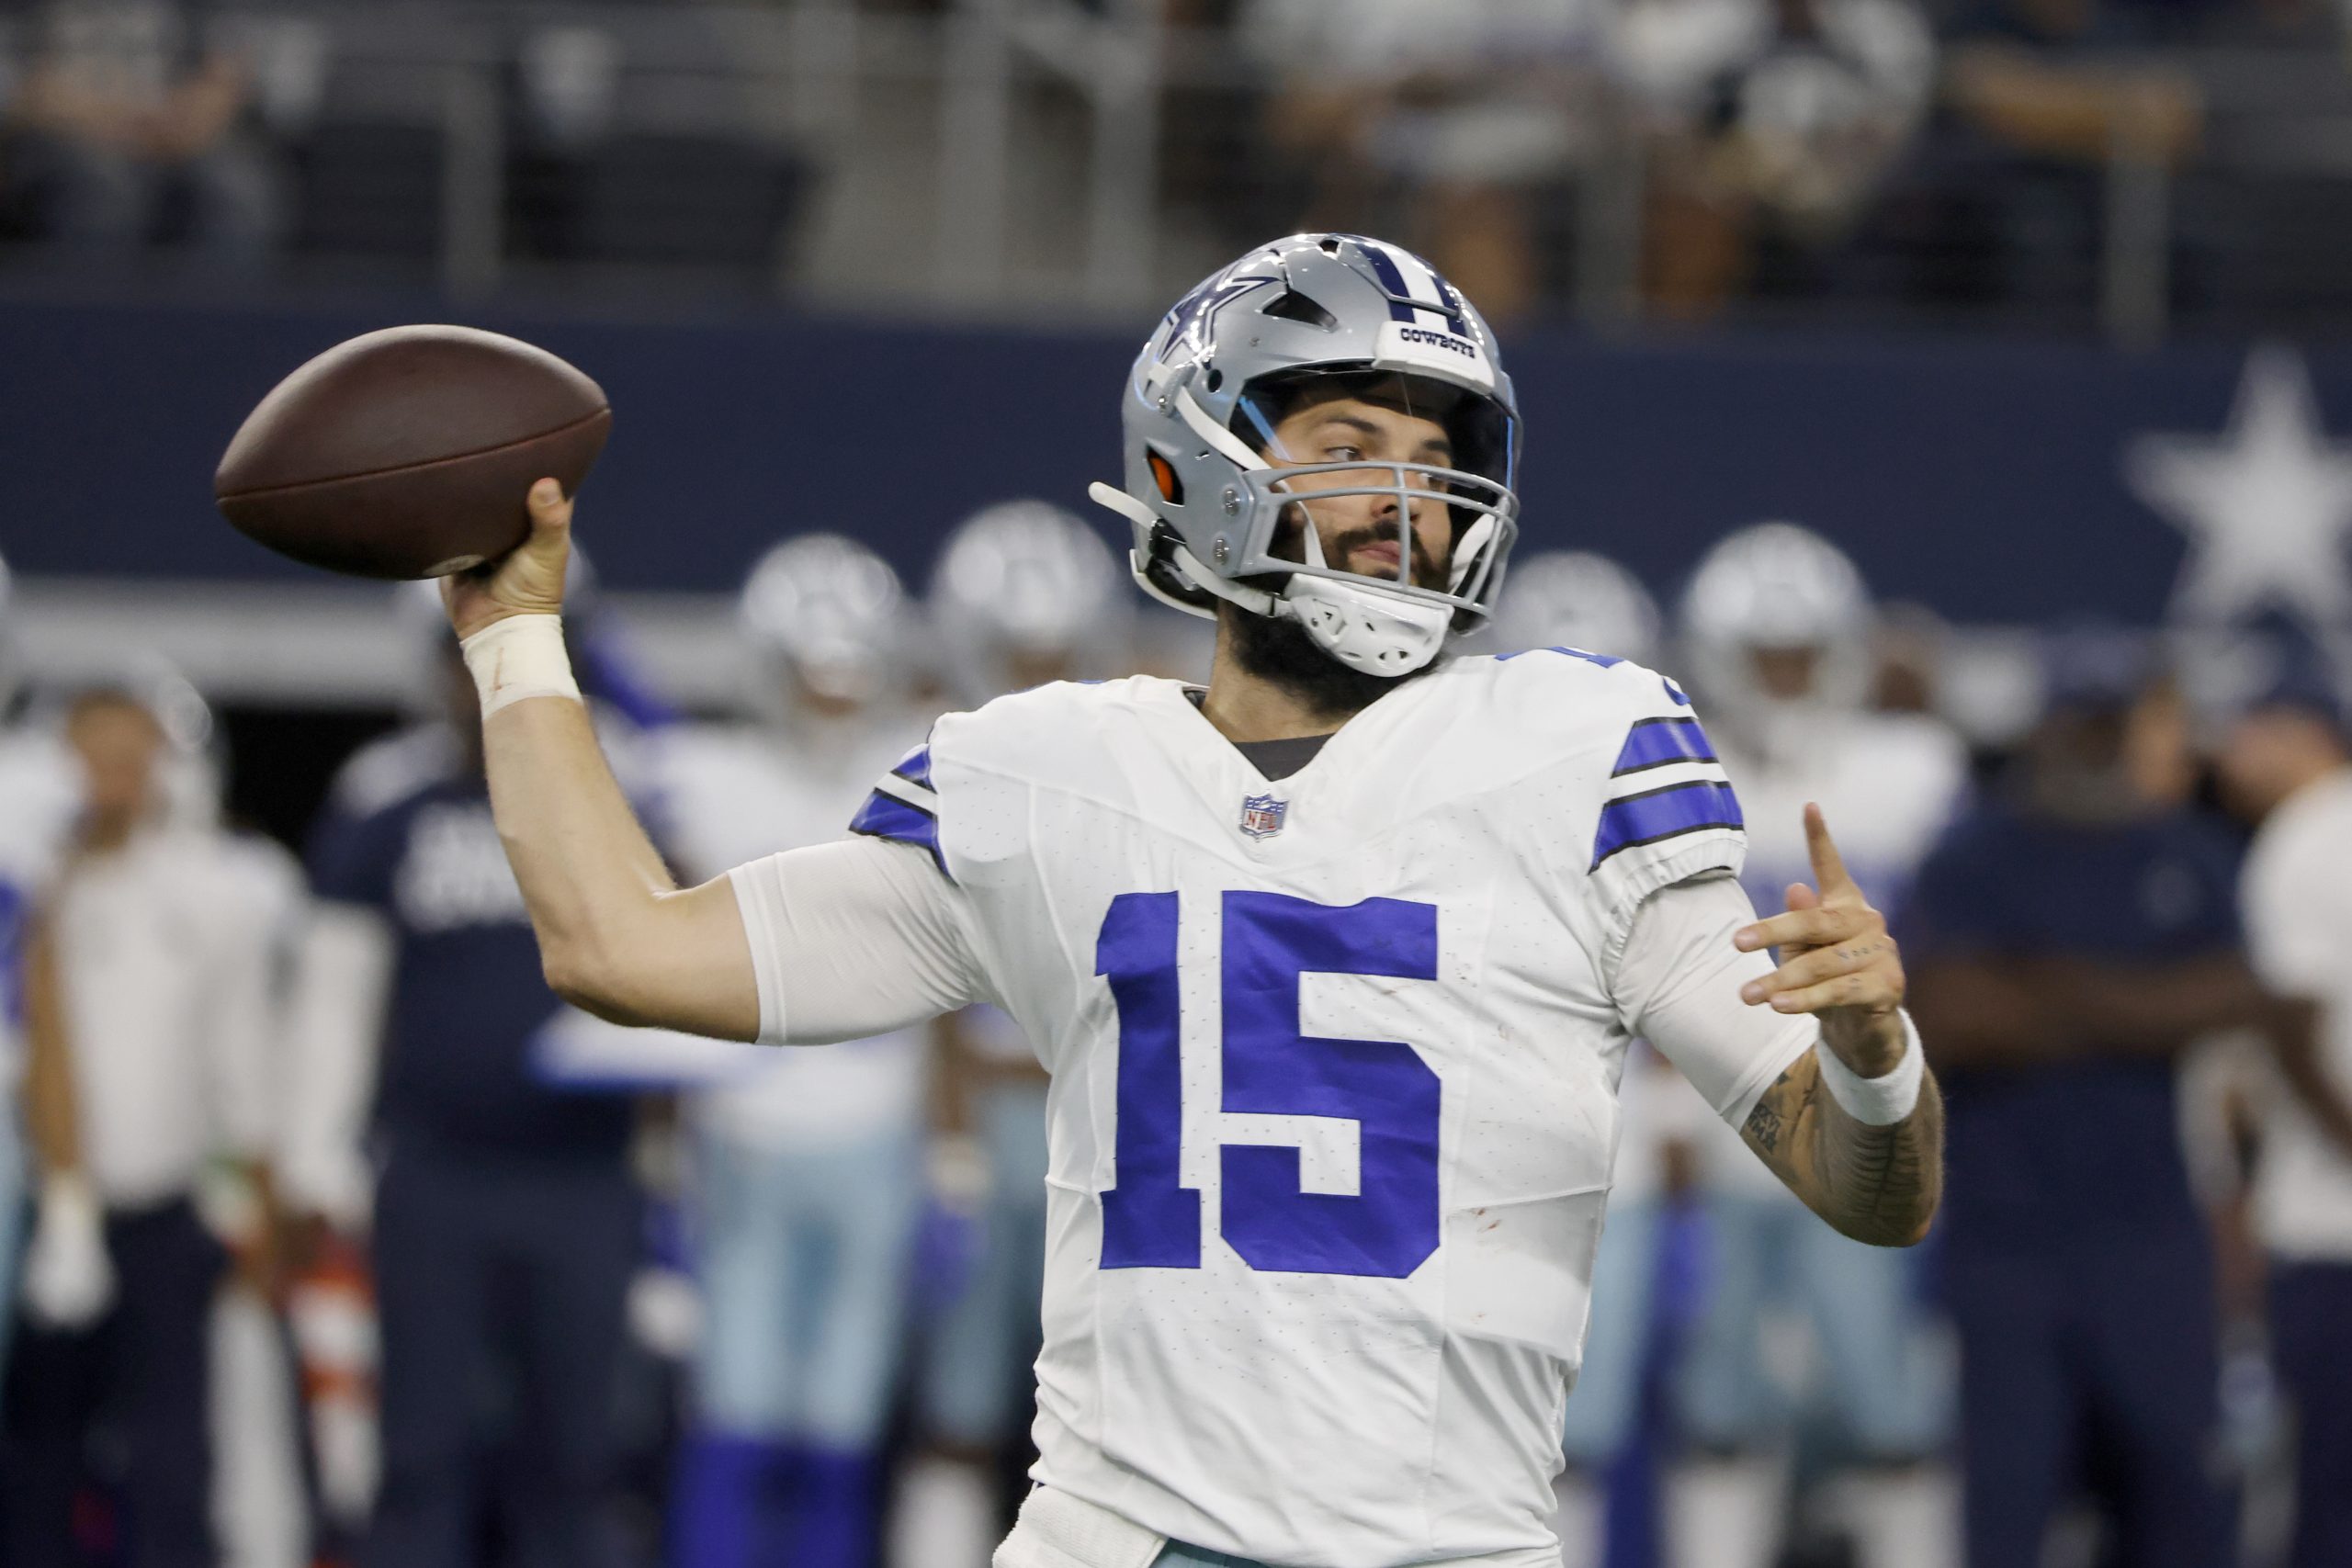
1163, 475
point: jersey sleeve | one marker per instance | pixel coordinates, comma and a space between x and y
1667, 811
1676, 986
852, 940
904, 808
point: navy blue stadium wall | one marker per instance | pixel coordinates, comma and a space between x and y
1982, 477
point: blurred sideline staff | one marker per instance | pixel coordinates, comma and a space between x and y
2071, 936
1777, 632
808, 1175
1023, 593
505, 1221
148, 1024
2285, 764
39, 796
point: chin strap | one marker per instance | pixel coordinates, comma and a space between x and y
1380, 634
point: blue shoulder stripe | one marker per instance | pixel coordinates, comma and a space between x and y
885, 817
1603, 659
915, 766
1632, 820
1656, 742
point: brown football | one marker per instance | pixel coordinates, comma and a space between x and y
407, 452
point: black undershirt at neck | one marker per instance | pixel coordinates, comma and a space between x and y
1274, 759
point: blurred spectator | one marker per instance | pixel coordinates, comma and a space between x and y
125, 122
2041, 96
1776, 627
2286, 763
148, 1030
1023, 593
1764, 118
505, 1223
810, 1169
2068, 939
1467, 114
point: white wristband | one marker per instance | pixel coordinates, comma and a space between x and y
1884, 1100
519, 657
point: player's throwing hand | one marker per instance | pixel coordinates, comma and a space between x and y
527, 579
1837, 960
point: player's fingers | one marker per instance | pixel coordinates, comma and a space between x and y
1801, 897
1866, 951
1797, 927
550, 508
1829, 871
1878, 987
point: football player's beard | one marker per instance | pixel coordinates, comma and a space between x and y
1278, 650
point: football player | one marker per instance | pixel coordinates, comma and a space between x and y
503, 1218
1777, 626
808, 1174
1023, 593
1333, 960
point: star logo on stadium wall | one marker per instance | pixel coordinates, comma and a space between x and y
2265, 504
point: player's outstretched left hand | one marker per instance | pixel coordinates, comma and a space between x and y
1837, 960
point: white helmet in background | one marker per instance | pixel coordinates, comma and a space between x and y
1023, 587
1576, 599
1772, 589
825, 611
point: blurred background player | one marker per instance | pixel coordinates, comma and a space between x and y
148, 1028
2072, 935
1578, 599
505, 1220
2284, 763
39, 794
1776, 627
808, 1175
1023, 593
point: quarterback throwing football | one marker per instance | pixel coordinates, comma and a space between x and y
1334, 961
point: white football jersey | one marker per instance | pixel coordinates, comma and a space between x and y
732, 794
1334, 1065
1887, 784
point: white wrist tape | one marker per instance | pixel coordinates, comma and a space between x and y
519, 657
1884, 1100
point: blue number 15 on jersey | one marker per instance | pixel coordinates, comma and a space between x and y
1149, 1219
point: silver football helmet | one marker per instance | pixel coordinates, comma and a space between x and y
1021, 586
1576, 599
1203, 398
1777, 588
827, 612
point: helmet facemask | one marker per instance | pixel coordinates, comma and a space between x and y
1391, 619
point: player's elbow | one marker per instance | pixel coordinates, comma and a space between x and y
589, 980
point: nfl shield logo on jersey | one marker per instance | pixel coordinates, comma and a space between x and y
1261, 814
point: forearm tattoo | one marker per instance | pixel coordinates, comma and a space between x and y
1878, 1185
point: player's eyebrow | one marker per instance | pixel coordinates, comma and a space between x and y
1437, 444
